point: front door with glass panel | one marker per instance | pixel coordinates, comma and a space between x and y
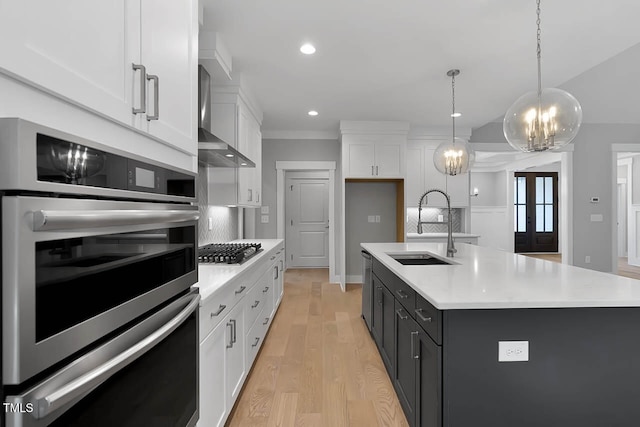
536, 211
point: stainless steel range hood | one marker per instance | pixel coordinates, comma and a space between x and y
212, 150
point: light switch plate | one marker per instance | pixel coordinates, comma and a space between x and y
264, 219
371, 218
596, 218
264, 210
210, 223
440, 218
377, 218
513, 351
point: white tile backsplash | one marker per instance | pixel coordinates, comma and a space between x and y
224, 220
431, 214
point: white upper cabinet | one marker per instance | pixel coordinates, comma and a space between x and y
169, 51
373, 149
374, 156
41, 45
237, 124
414, 182
83, 52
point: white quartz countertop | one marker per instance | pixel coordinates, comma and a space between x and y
438, 235
213, 277
486, 278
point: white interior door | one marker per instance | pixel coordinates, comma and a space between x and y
307, 220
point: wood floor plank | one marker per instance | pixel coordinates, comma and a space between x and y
361, 413
318, 365
334, 405
283, 413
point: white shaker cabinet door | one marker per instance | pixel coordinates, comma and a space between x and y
360, 160
212, 376
169, 52
78, 50
414, 182
235, 366
389, 161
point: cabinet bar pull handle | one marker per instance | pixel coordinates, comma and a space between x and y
230, 345
220, 310
266, 288
156, 98
281, 265
402, 294
376, 171
257, 196
419, 314
372, 170
250, 194
272, 258
241, 289
256, 343
255, 304
414, 354
143, 88
277, 272
266, 320
399, 313
380, 299
233, 321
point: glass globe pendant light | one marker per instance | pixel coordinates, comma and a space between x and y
453, 157
544, 120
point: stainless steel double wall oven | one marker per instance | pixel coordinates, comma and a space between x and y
99, 325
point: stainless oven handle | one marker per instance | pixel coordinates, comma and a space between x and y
44, 220
87, 382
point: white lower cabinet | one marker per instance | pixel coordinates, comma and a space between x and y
234, 325
212, 382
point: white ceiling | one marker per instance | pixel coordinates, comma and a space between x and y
383, 60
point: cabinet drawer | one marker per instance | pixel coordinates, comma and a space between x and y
430, 318
255, 336
384, 274
214, 310
405, 295
256, 298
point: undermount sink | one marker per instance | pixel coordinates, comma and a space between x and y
418, 259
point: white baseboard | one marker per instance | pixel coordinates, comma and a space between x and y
354, 279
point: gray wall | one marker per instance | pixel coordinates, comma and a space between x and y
492, 188
361, 200
592, 175
292, 150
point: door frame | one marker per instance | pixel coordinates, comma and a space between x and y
284, 165
530, 203
632, 255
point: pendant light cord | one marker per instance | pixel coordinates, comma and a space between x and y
539, 51
453, 107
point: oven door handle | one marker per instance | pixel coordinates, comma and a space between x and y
44, 220
87, 382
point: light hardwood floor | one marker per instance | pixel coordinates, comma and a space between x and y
318, 365
624, 269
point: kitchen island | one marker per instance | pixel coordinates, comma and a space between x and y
500, 339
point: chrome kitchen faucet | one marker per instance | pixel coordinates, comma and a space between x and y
450, 247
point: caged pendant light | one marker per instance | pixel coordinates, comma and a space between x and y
544, 120
453, 157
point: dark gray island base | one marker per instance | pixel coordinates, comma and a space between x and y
583, 366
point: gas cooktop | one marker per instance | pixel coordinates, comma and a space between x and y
228, 253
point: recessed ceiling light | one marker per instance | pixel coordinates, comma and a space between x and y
229, 155
313, 113
456, 114
243, 164
307, 49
